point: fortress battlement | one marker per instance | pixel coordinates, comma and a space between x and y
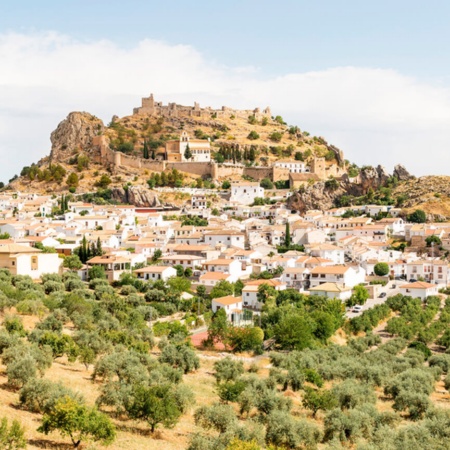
152, 108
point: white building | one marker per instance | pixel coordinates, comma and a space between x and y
419, 289
200, 149
293, 166
250, 292
344, 275
230, 238
245, 192
332, 290
231, 305
154, 273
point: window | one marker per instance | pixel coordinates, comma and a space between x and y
34, 263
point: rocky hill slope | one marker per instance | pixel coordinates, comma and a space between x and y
74, 161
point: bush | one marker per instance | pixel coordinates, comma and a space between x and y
381, 269
217, 417
266, 183
12, 437
253, 135
228, 369
41, 395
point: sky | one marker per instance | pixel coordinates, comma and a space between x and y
372, 78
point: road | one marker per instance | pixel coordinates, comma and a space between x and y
371, 302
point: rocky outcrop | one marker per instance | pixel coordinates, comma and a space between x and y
371, 178
75, 133
401, 173
135, 195
339, 154
317, 196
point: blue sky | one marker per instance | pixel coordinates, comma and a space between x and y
371, 77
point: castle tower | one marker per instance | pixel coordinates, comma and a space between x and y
318, 167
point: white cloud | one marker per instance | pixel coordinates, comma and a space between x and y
373, 115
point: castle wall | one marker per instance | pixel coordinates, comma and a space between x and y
280, 173
258, 173
195, 168
224, 171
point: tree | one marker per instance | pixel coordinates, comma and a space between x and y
187, 153
359, 296
294, 331
316, 400
103, 182
266, 183
217, 416
72, 180
381, 269
96, 272
178, 285
287, 235
218, 329
72, 262
13, 437
79, 422
155, 405
431, 240
222, 289
226, 184
253, 135
228, 369
418, 216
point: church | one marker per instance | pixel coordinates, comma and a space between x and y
188, 150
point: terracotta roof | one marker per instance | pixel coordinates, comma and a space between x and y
417, 285
330, 270
330, 287
228, 300
17, 248
152, 269
214, 276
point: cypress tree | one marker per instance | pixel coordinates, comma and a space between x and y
99, 250
287, 235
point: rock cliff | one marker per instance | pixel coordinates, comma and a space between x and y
135, 195
73, 134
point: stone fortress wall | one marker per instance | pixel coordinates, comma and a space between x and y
152, 108
114, 159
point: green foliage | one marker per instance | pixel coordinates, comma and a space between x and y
41, 395
155, 405
103, 182
228, 369
181, 357
79, 422
12, 437
72, 180
381, 269
431, 240
418, 216
172, 178
266, 183
217, 417
96, 272
253, 135
187, 153
317, 400
72, 262
276, 136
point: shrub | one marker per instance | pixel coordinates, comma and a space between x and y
227, 369
253, 135
41, 395
12, 437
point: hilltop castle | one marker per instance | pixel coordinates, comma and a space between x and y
152, 108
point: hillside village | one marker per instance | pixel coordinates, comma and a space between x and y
219, 280
323, 254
